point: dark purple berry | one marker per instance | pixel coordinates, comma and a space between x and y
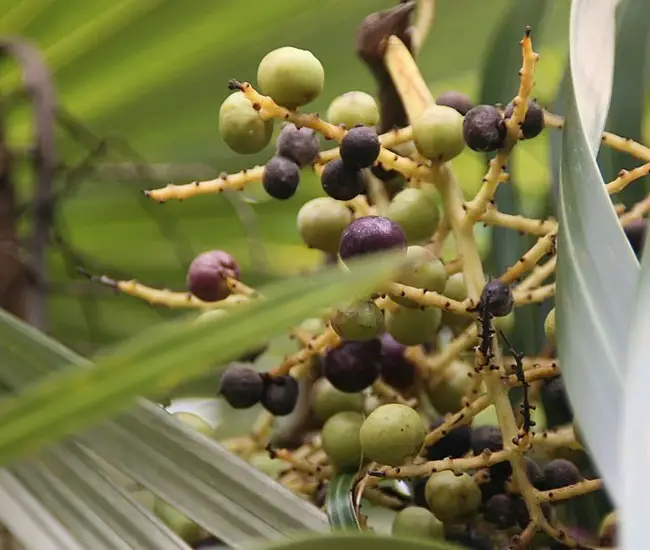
470, 539
208, 274
486, 437
281, 178
341, 183
280, 395
501, 511
560, 473
555, 397
360, 147
636, 234
241, 386
384, 175
455, 444
533, 121
534, 473
455, 100
396, 369
484, 129
299, 145
523, 517
353, 366
371, 234
496, 298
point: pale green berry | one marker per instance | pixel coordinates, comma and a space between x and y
358, 322
412, 327
321, 223
241, 126
341, 442
292, 77
417, 216
423, 270
447, 393
272, 467
456, 289
416, 521
328, 400
506, 323
195, 421
452, 498
549, 326
438, 133
352, 109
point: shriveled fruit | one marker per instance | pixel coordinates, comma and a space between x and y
328, 400
341, 441
424, 271
533, 121
280, 395
321, 223
438, 133
358, 322
281, 178
391, 434
341, 183
446, 394
417, 216
353, 108
195, 421
291, 76
559, 473
455, 100
297, 144
183, 526
455, 444
452, 498
241, 386
484, 129
412, 327
416, 521
496, 298
371, 234
359, 147
396, 369
207, 276
353, 366
241, 126
549, 326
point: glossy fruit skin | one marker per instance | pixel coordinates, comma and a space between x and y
455, 444
446, 394
353, 108
208, 273
241, 386
438, 133
341, 441
496, 298
280, 395
412, 327
321, 223
549, 326
416, 521
353, 366
484, 129
359, 322
341, 183
360, 147
533, 121
455, 100
328, 400
424, 270
241, 126
452, 498
281, 178
371, 234
417, 217
391, 434
299, 145
396, 369
291, 76
559, 473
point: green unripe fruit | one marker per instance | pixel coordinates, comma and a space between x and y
321, 222
292, 77
446, 394
195, 421
424, 270
341, 441
391, 434
456, 290
412, 327
358, 322
272, 467
241, 126
438, 133
328, 400
505, 323
352, 109
184, 527
431, 193
549, 326
416, 215
416, 521
452, 498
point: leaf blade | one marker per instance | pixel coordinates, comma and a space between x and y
340, 504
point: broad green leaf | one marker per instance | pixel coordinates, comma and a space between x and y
597, 271
340, 504
354, 541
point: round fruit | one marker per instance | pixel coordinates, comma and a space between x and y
533, 121
555, 397
391, 434
297, 144
360, 147
446, 394
505, 323
608, 533
486, 437
352, 109
455, 100
455, 444
241, 386
415, 214
241, 126
549, 326
195, 421
396, 369
272, 467
452, 498
328, 400
416, 521
292, 77
207, 276
280, 395
359, 322
281, 178
341, 442
501, 511
341, 183
438, 133
353, 366
559, 473
636, 234
534, 473
496, 298
424, 271
321, 223
413, 327
371, 234
484, 129
183, 526
456, 289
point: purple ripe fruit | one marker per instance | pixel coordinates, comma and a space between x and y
207, 276
341, 183
371, 234
353, 366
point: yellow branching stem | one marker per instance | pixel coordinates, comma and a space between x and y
534, 296
529, 260
439, 237
561, 437
539, 274
570, 491
394, 137
301, 464
318, 345
464, 416
518, 223
429, 298
454, 266
638, 211
626, 177
387, 394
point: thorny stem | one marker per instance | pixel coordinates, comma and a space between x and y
570, 491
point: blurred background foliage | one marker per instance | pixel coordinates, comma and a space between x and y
150, 75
